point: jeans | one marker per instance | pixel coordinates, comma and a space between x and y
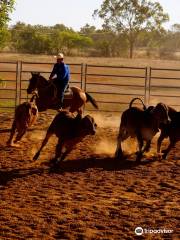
61, 90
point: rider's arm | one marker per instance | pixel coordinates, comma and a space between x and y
54, 71
66, 73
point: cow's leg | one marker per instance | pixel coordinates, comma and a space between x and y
166, 151
20, 135
58, 152
62, 151
147, 146
140, 144
13, 130
159, 142
48, 135
123, 135
119, 152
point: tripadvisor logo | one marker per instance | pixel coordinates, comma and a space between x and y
138, 231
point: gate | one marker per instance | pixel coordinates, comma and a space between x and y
8, 84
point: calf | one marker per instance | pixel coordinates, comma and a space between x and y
70, 130
171, 130
142, 124
25, 115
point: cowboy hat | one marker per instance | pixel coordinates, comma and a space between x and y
59, 56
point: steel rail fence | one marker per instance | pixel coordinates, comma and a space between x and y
112, 86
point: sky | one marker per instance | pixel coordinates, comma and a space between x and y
73, 13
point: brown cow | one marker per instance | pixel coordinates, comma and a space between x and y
142, 124
70, 130
25, 116
170, 130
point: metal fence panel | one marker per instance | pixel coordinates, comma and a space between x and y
164, 86
8, 85
114, 86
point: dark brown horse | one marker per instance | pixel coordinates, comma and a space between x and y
47, 93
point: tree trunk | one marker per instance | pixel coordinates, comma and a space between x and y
131, 48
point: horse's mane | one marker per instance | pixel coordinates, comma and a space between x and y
43, 80
42, 77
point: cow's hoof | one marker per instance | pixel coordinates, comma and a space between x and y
138, 158
119, 155
36, 156
16, 145
54, 162
159, 156
164, 156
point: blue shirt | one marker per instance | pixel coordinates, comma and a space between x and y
61, 70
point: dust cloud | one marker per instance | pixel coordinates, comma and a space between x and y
107, 120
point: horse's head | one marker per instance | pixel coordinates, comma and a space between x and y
33, 82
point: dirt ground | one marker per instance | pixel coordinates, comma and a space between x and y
90, 196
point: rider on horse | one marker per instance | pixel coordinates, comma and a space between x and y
62, 72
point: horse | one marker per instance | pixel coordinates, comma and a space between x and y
47, 95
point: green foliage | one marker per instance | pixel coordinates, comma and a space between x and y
40, 39
5, 37
130, 17
6, 7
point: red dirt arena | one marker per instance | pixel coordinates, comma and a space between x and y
90, 196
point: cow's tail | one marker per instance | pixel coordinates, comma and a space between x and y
134, 99
91, 100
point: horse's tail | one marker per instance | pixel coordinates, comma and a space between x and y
91, 100
131, 102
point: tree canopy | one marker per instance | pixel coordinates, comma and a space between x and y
130, 17
6, 7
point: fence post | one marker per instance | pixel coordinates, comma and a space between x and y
85, 77
149, 92
20, 78
17, 75
82, 73
145, 88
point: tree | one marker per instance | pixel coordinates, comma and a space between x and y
6, 7
130, 17
87, 29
